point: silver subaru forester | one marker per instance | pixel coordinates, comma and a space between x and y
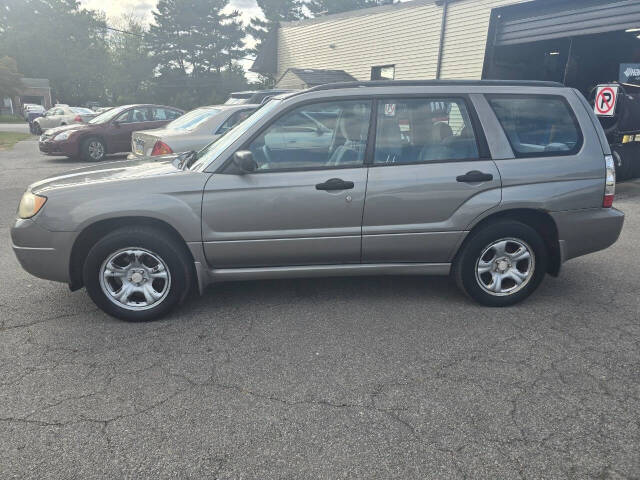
495, 183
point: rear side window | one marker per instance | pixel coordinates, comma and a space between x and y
424, 130
538, 125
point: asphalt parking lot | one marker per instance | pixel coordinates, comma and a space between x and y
325, 378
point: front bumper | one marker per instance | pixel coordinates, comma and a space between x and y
42, 253
51, 147
586, 231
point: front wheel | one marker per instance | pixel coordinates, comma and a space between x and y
37, 129
137, 274
93, 149
501, 264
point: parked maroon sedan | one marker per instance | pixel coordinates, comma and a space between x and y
109, 132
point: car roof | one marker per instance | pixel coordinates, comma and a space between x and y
253, 92
148, 105
436, 83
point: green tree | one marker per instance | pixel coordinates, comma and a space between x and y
10, 79
194, 46
324, 7
58, 40
274, 11
195, 36
130, 74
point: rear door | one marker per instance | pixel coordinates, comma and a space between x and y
302, 206
431, 175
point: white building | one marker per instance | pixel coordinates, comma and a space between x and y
580, 42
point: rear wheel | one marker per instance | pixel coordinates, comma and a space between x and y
93, 149
137, 274
501, 264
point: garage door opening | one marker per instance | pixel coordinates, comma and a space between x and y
580, 62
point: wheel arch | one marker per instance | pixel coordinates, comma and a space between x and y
540, 220
93, 232
87, 136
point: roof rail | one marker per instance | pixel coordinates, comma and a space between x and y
434, 83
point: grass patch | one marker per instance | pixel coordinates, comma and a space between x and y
11, 119
9, 139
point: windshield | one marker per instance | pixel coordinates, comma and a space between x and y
192, 119
215, 148
236, 101
82, 110
108, 115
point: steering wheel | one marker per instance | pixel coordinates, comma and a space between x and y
268, 156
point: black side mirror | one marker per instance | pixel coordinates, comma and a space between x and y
116, 123
243, 159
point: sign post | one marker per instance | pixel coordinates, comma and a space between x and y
606, 99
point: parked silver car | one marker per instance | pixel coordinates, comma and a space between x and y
192, 131
62, 115
496, 183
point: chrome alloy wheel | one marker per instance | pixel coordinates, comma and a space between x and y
505, 267
96, 149
135, 278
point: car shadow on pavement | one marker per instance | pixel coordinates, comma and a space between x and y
80, 161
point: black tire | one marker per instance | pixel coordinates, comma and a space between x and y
37, 129
174, 254
624, 158
467, 262
93, 149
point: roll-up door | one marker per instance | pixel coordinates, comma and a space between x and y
541, 20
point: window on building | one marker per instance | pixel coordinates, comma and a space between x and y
424, 131
538, 125
384, 72
303, 138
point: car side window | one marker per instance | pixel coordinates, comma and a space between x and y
321, 135
159, 114
424, 130
233, 120
171, 114
134, 115
538, 125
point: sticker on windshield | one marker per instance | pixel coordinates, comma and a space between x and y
390, 109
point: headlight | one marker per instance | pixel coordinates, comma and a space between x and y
62, 136
30, 204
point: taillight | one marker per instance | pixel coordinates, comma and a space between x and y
78, 119
610, 185
161, 148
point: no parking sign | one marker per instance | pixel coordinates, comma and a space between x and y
606, 99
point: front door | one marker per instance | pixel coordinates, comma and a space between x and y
303, 205
430, 178
132, 120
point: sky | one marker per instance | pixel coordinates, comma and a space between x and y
142, 8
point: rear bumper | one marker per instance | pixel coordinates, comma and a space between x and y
586, 231
42, 253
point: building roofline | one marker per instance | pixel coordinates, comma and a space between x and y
358, 13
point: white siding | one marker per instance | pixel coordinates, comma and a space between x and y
407, 37
465, 38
